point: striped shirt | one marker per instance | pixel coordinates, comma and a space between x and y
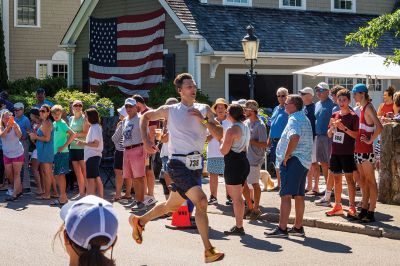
117, 138
298, 124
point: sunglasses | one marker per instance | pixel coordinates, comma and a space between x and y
77, 105
43, 111
17, 110
281, 96
320, 90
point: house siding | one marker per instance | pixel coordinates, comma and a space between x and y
115, 8
376, 7
30, 44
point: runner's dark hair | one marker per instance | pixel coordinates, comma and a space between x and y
180, 78
236, 112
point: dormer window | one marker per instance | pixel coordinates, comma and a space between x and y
292, 4
343, 5
238, 2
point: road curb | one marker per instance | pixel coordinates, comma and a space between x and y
339, 226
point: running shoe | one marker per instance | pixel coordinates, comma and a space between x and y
296, 231
323, 202
352, 212
212, 255
139, 207
213, 200
137, 229
149, 200
362, 214
247, 213
228, 201
369, 218
255, 214
336, 210
235, 231
277, 233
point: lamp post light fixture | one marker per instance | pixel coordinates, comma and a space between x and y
250, 45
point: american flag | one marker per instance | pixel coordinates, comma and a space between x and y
127, 52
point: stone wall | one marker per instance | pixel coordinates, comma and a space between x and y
389, 181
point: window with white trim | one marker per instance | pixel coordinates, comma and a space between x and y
343, 5
238, 2
348, 83
292, 4
60, 70
27, 13
56, 67
42, 71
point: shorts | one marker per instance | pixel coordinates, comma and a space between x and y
118, 160
164, 161
19, 159
61, 163
364, 157
343, 163
34, 154
183, 179
293, 178
254, 175
93, 167
323, 148
134, 162
314, 152
216, 165
76, 155
237, 168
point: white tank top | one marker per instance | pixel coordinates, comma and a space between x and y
242, 144
186, 134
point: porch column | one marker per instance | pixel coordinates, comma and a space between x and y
70, 79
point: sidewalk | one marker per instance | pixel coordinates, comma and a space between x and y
387, 216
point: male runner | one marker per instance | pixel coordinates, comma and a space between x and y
187, 124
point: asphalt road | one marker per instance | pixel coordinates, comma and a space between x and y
27, 228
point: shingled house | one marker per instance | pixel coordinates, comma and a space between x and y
204, 37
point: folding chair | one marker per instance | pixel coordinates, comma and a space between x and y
107, 168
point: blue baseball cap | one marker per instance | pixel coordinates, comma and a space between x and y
360, 87
88, 218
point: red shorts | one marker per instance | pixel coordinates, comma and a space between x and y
134, 163
19, 159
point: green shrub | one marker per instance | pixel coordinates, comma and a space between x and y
112, 93
158, 95
65, 96
29, 85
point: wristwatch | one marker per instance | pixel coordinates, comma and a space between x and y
345, 129
204, 121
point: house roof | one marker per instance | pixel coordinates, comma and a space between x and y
279, 30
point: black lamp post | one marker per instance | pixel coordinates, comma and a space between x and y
250, 45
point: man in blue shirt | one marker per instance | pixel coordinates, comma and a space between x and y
323, 113
25, 126
279, 120
41, 99
293, 157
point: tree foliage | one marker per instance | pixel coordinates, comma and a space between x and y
369, 36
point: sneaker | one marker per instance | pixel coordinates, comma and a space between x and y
336, 210
323, 202
369, 218
10, 192
26, 190
277, 233
139, 207
213, 200
228, 201
247, 213
137, 229
212, 255
149, 200
296, 231
352, 212
255, 214
235, 231
362, 214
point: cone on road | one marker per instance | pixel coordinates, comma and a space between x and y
181, 219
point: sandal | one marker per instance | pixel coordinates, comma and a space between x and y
57, 203
41, 197
311, 193
116, 199
125, 197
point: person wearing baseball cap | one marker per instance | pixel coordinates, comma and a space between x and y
323, 113
256, 157
25, 126
89, 230
215, 159
41, 99
369, 129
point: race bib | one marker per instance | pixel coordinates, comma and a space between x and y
338, 137
193, 162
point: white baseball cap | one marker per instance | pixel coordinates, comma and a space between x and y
322, 85
88, 218
307, 90
130, 101
241, 102
19, 105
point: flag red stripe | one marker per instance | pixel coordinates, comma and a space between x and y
144, 86
147, 72
140, 18
140, 47
140, 33
139, 62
